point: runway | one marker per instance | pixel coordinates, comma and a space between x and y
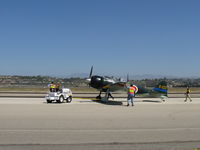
31, 123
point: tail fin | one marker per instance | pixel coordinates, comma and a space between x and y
161, 88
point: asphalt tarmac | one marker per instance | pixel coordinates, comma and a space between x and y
31, 123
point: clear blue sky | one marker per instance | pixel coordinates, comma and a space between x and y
61, 37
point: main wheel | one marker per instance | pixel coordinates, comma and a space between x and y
69, 99
98, 97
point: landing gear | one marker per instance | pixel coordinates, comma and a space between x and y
110, 95
99, 96
163, 98
107, 95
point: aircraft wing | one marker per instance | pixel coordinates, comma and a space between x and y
115, 87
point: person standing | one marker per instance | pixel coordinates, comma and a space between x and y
58, 87
187, 95
52, 87
132, 90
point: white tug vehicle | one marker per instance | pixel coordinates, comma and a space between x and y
63, 95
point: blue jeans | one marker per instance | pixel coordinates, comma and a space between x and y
130, 98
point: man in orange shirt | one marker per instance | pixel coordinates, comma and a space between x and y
132, 90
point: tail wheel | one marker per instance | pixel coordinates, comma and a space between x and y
69, 99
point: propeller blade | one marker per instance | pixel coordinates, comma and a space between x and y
90, 76
91, 72
127, 77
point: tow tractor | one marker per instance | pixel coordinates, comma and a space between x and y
63, 95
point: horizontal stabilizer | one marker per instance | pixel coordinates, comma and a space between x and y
161, 87
160, 90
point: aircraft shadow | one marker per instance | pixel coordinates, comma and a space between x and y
53, 103
152, 101
109, 102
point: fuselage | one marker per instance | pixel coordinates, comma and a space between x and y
99, 82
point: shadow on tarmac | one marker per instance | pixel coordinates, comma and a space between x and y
152, 101
109, 102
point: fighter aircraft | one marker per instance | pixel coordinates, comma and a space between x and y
105, 84
111, 84
160, 91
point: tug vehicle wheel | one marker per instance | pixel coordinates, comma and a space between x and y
69, 99
61, 99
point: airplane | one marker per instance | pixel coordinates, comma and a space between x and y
111, 84
160, 91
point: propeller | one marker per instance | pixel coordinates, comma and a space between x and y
90, 76
127, 78
91, 72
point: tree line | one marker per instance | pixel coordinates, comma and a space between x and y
8, 81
